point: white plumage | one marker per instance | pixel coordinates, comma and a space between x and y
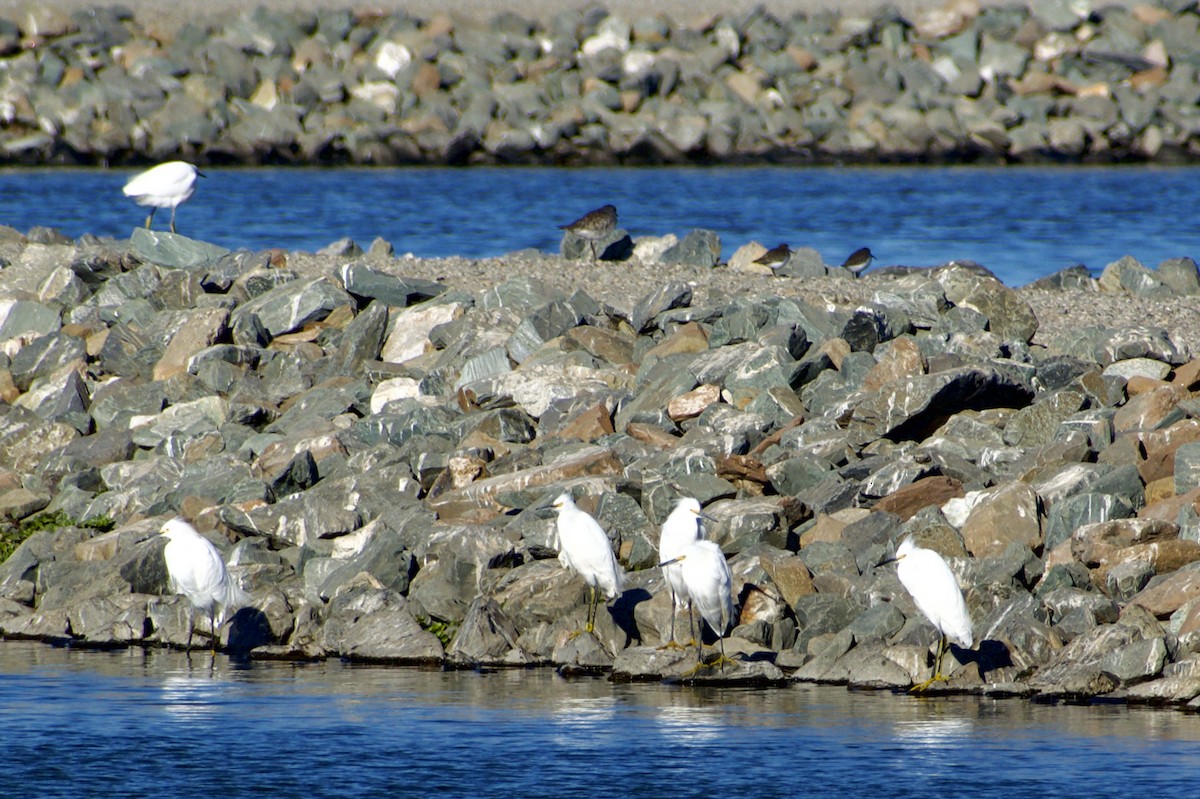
709, 584
928, 579
164, 186
682, 528
584, 548
196, 570
933, 586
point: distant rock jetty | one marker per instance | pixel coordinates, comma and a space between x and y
374, 443
1062, 80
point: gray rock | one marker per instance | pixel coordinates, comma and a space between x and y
374, 624
285, 309
174, 251
394, 290
698, 248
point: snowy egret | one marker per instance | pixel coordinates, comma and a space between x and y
710, 587
164, 186
927, 577
196, 570
683, 527
583, 547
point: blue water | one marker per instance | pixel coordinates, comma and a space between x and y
141, 723
1023, 223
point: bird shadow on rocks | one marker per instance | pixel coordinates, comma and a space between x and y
990, 655
249, 628
619, 250
622, 612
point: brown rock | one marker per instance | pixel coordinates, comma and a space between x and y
1006, 515
790, 576
1165, 597
1164, 556
896, 360
1161, 489
615, 348
906, 501
427, 80
1146, 411
589, 424
1159, 448
277, 455
1187, 375
1168, 509
1140, 384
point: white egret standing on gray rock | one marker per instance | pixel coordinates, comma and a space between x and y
196, 570
164, 186
710, 586
584, 548
682, 528
934, 588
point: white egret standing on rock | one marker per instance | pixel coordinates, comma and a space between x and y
682, 528
710, 586
164, 186
196, 570
584, 548
927, 577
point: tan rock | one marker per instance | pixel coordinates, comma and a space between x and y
1161, 489
408, 337
203, 328
1094, 544
1004, 516
427, 80
837, 349
693, 403
686, 338
828, 527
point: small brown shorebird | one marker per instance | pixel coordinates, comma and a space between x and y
858, 261
594, 225
775, 257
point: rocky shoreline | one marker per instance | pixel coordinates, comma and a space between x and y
374, 443
1057, 81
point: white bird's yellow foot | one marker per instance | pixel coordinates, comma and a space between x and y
922, 687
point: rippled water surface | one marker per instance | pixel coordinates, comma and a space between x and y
158, 723
1023, 223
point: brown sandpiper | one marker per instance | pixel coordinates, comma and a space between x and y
775, 257
594, 225
858, 261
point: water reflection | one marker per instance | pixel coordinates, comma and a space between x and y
411, 732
